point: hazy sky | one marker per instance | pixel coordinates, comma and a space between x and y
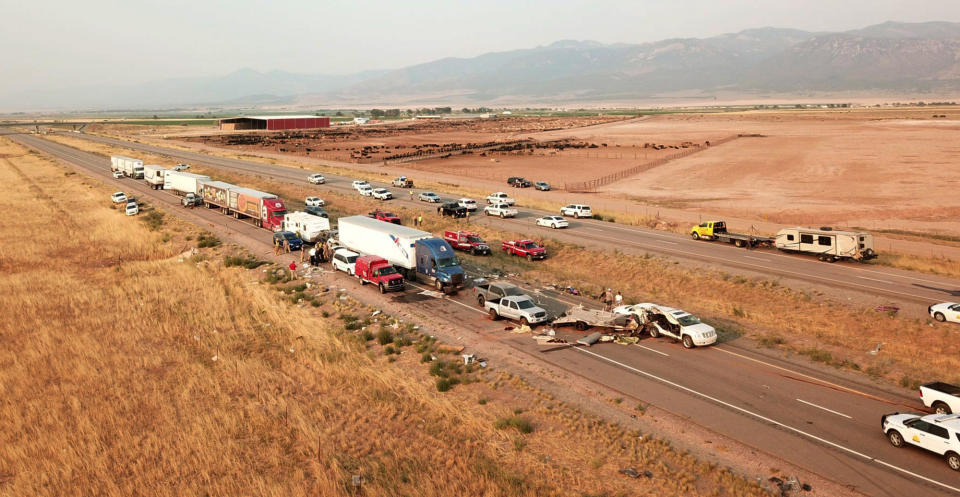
58, 43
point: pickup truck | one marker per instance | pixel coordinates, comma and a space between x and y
376, 270
403, 182
517, 308
467, 241
943, 398
451, 209
387, 217
191, 200
717, 230
495, 291
500, 198
525, 248
502, 210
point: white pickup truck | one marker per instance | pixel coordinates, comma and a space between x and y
518, 308
502, 210
943, 398
500, 197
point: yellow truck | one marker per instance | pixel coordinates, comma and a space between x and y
717, 230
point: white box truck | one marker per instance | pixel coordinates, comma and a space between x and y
183, 183
131, 168
308, 227
417, 254
154, 175
827, 244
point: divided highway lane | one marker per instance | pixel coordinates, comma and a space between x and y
812, 419
883, 282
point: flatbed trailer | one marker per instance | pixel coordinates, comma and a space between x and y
584, 319
717, 230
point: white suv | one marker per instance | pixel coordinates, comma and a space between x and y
344, 260
674, 323
357, 184
365, 190
577, 211
938, 433
468, 204
316, 179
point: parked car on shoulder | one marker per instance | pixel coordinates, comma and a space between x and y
385, 216
119, 198
529, 249
674, 323
468, 204
358, 183
501, 210
365, 190
554, 222
500, 197
314, 202
543, 186
117, 174
290, 237
945, 312
431, 197
181, 167
937, 433
468, 241
518, 182
344, 259
382, 194
576, 210
403, 182
132, 209
316, 211
316, 179
451, 209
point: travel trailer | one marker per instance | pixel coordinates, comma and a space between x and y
827, 244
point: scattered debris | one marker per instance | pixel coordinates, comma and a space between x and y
469, 358
375, 313
590, 339
627, 340
631, 472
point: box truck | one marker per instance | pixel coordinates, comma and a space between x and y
131, 168
154, 176
266, 209
183, 183
417, 254
827, 244
308, 227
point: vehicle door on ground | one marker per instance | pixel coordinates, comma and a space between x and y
928, 435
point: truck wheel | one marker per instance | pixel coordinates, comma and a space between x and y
581, 326
695, 235
501, 215
439, 285
654, 332
576, 215
939, 317
481, 300
493, 315
382, 289
896, 439
941, 408
740, 243
687, 342
953, 460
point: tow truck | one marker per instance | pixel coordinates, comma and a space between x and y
717, 230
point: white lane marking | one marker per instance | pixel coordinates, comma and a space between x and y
824, 408
874, 279
448, 299
769, 420
814, 378
653, 350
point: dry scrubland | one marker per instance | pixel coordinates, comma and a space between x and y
130, 370
760, 309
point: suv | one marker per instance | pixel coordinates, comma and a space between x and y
543, 186
316, 179
344, 260
358, 183
938, 433
518, 182
674, 323
292, 239
382, 194
576, 210
119, 198
316, 211
451, 209
468, 204
365, 190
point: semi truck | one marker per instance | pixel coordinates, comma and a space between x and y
131, 168
183, 183
418, 255
717, 230
266, 209
154, 175
827, 244
216, 194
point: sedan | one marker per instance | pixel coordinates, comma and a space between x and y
542, 186
382, 194
431, 197
316, 211
552, 222
314, 202
947, 311
316, 179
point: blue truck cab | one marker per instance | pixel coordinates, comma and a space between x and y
437, 264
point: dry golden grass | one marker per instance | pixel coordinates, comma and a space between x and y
131, 371
931, 265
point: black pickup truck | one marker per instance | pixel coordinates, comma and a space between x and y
452, 209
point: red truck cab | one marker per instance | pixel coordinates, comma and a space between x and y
389, 217
376, 270
468, 241
525, 248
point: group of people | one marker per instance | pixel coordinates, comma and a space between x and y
418, 221
610, 299
319, 254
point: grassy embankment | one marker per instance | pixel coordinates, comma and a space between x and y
761, 309
130, 370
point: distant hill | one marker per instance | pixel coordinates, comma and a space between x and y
890, 57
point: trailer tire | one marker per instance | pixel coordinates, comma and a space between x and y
581, 326
941, 408
831, 259
695, 235
493, 315
688, 342
740, 243
939, 317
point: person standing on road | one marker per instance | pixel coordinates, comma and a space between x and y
618, 299
411, 195
313, 256
303, 252
607, 298
420, 220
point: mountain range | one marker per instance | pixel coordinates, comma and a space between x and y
903, 58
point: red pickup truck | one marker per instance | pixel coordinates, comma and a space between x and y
525, 248
389, 217
468, 241
376, 270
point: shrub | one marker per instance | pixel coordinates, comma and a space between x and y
153, 220
206, 240
445, 384
384, 337
522, 424
367, 335
245, 262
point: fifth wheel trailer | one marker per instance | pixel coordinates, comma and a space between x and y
417, 253
827, 244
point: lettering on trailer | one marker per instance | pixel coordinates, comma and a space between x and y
396, 241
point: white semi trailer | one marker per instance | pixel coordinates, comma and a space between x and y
183, 183
131, 168
154, 176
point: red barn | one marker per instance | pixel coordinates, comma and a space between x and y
274, 123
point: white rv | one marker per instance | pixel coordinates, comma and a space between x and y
153, 175
827, 244
308, 227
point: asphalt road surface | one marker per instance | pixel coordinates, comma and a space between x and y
824, 421
884, 283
